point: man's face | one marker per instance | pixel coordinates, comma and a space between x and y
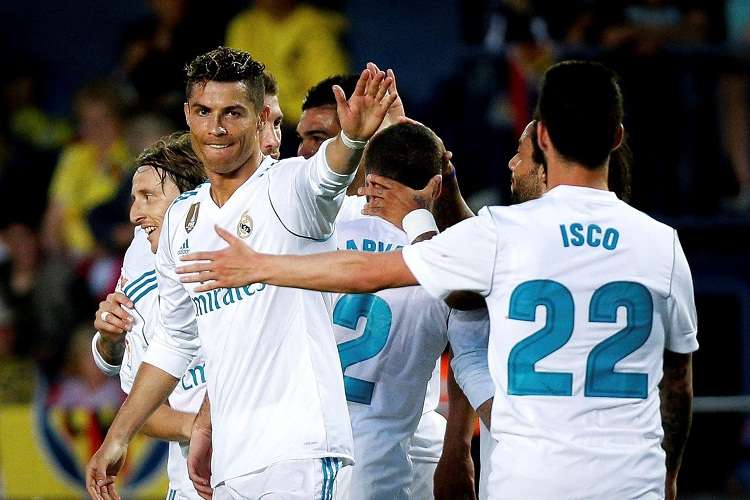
315, 126
528, 180
151, 199
224, 125
270, 135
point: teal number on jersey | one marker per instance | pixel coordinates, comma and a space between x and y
378, 315
557, 300
601, 378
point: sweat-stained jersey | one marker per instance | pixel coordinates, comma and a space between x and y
273, 375
584, 294
138, 282
389, 343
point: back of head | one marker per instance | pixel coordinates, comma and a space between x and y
227, 65
322, 94
580, 104
173, 157
409, 153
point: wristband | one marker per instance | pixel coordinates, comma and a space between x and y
109, 370
417, 222
351, 143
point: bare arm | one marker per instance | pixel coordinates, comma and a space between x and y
342, 271
199, 455
485, 412
454, 475
169, 424
451, 207
676, 392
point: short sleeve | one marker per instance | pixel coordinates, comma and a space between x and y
461, 258
682, 327
175, 342
468, 334
307, 195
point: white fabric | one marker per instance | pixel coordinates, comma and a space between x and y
544, 439
422, 481
486, 446
108, 369
392, 340
469, 363
138, 282
418, 222
274, 378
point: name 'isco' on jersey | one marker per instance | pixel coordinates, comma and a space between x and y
389, 343
138, 282
272, 369
584, 294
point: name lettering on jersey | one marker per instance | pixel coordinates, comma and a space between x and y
194, 377
245, 225
192, 216
372, 246
184, 248
577, 234
214, 300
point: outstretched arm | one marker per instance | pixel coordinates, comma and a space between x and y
676, 392
342, 271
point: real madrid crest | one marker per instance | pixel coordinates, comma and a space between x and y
245, 225
192, 216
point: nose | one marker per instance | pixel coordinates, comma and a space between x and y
136, 214
270, 143
217, 129
512, 163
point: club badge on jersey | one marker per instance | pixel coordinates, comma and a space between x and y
192, 216
245, 225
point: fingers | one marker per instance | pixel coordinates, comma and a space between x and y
209, 256
120, 298
371, 191
341, 103
361, 86
389, 100
383, 181
374, 84
392, 87
199, 277
226, 235
211, 285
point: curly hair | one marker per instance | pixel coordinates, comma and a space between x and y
227, 65
173, 157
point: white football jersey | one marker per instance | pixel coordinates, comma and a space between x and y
138, 282
273, 374
389, 343
584, 294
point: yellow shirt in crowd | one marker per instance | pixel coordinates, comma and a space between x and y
300, 50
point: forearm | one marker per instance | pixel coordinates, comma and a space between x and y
111, 351
340, 158
169, 424
151, 388
461, 418
451, 207
676, 392
203, 419
342, 271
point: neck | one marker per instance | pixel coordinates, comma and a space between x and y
358, 182
223, 185
573, 174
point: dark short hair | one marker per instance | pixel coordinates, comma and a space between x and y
322, 95
227, 65
409, 153
270, 84
580, 103
173, 157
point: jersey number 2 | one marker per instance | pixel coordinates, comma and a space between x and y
347, 312
601, 378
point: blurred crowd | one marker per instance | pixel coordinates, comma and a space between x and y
65, 180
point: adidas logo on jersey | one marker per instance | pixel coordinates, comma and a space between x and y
184, 248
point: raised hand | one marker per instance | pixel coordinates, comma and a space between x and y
391, 200
396, 110
362, 114
227, 268
111, 320
102, 469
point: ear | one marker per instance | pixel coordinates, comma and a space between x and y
542, 137
619, 136
437, 187
263, 116
186, 110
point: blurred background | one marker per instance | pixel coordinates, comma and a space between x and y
88, 84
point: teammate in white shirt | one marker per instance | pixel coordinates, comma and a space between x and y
274, 380
270, 136
591, 307
390, 358
127, 320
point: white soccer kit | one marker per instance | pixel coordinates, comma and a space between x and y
388, 343
273, 374
584, 294
138, 282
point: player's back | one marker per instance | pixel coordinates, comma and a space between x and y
388, 343
582, 307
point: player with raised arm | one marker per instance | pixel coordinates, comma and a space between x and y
591, 307
126, 321
280, 422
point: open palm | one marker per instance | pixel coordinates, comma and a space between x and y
361, 115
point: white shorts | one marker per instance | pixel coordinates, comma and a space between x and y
308, 479
422, 482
